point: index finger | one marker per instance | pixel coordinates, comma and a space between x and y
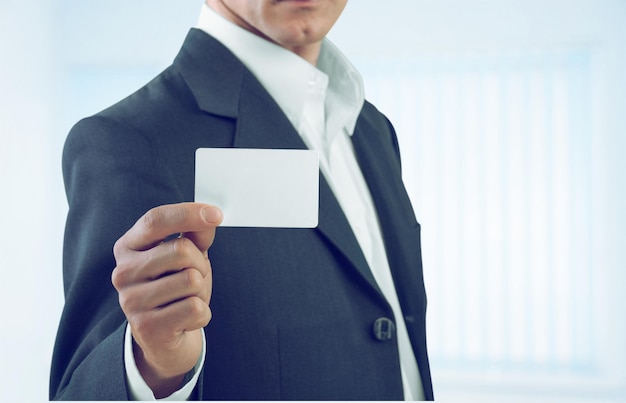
162, 221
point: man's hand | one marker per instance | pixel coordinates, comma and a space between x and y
165, 288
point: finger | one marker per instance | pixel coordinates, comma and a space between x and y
165, 291
137, 267
202, 239
160, 222
165, 325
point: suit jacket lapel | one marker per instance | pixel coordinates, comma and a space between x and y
232, 91
379, 160
401, 232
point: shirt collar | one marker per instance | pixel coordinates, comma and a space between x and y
286, 76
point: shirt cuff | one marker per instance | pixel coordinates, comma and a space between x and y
138, 388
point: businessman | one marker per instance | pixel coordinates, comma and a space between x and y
331, 313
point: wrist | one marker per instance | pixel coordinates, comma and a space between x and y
161, 385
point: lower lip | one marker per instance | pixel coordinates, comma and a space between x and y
299, 4
299, 1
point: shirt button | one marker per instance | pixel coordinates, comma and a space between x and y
383, 329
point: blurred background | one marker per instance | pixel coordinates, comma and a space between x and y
511, 116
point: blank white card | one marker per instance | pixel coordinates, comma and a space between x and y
260, 187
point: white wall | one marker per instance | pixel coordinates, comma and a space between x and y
51, 53
435, 61
30, 290
63, 59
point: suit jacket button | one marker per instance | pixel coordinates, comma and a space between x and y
383, 329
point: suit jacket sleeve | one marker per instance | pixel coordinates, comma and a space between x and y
111, 180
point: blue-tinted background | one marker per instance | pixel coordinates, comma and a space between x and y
511, 116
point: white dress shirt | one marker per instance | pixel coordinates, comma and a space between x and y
323, 103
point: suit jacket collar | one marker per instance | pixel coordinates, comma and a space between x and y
213, 74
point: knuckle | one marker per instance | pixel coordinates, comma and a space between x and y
141, 326
202, 321
119, 277
118, 247
150, 221
193, 280
206, 291
125, 273
197, 307
129, 301
201, 314
181, 247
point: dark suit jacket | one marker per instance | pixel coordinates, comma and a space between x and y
292, 308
